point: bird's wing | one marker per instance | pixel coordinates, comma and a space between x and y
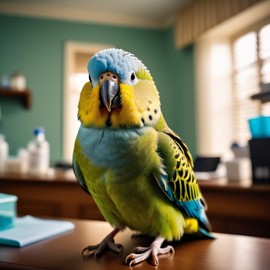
177, 179
78, 174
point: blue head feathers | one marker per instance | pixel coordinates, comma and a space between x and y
114, 60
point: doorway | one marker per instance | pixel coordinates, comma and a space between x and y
76, 58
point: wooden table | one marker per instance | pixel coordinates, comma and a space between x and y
64, 252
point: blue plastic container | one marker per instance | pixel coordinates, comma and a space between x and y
260, 127
8, 211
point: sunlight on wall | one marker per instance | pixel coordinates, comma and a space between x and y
76, 82
220, 57
214, 70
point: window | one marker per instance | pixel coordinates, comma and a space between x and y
251, 65
231, 60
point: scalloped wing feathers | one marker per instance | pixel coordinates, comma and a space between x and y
179, 182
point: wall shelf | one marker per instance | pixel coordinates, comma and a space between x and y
24, 95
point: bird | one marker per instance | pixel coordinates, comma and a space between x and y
138, 171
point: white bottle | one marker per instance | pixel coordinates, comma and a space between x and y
23, 159
39, 153
3, 152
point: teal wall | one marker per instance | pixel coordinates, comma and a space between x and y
181, 112
35, 47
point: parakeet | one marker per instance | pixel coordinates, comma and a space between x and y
138, 171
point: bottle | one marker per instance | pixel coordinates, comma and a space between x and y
5, 81
38, 153
23, 159
18, 81
3, 152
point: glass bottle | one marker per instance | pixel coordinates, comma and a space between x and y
38, 153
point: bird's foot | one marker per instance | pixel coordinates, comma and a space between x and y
143, 253
105, 244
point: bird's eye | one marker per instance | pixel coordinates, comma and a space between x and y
132, 79
132, 76
90, 79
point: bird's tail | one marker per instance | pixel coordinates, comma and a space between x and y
205, 234
193, 228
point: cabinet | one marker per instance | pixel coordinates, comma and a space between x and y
25, 96
237, 208
51, 196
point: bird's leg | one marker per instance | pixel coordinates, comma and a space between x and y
106, 243
142, 253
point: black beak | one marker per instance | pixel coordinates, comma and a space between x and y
109, 94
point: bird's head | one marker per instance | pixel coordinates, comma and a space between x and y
120, 92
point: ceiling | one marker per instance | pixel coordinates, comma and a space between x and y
147, 13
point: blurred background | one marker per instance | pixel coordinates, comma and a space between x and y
206, 58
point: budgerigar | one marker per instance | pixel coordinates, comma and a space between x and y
138, 171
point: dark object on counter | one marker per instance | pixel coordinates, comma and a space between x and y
260, 160
63, 165
206, 164
264, 95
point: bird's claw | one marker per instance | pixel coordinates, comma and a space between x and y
142, 253
97, 250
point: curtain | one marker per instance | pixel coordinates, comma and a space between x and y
201, 15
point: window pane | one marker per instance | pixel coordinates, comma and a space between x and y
245, 50
266, 109
244, 109
246, 82
266, 72
264, 39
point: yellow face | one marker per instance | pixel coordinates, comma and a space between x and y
138, 106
